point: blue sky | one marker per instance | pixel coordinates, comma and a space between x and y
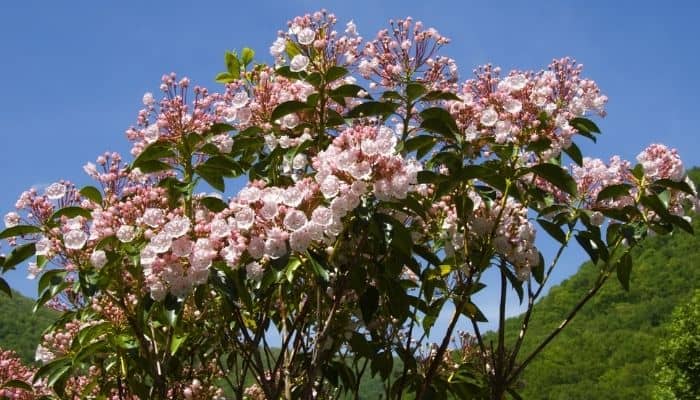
74, 72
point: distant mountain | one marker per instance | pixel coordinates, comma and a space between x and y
608, 351
20, 329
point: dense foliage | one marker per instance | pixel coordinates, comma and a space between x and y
380, 190
609, 350
20, 327
678, 375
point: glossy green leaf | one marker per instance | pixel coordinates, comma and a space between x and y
51, 368
589, 247
288, 107
17, 384
334, 73
50, 278
18, 254
151, 166
177, 342
624, 271
553, 230
683, 186
212, 176
614, 192
372, 108
224, 77
154, 151
439, 120
318, 269
584, 125
19, 230
292, 49
557, 176
574, 152
440, 95
92, 193
233, 65
71, 212
247, 55
415, 90
214, 204
349, 90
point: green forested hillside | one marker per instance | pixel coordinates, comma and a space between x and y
608, 351
20, 329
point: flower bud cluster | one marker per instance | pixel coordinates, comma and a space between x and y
526, 107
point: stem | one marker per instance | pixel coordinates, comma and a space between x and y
531, 300
432, 370
591, 292
499, 367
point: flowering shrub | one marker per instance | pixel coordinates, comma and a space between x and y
380, 190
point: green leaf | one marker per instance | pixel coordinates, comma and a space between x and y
589, 247
288, 107
318, 269
214, 204
225, 166
372, 108
334, 73
247, 55
292, 49
232, 64
51, 368
415, 90
624, 270
473, 312
349, 90
419, 142
151, 166
554, 230
683, 186
557, 176
614, 192
224, 77
19, 230
369, 302
400, 236
71, 212
50, 278
212, 176
92, 193
5, 288
574, 153
440, 95
584, 125
439, 120
538, 270
18, 254
17, 384
177, 341
154, 151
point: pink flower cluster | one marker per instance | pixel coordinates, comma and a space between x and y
595, 175
396, 54
503, 225
660, 162
174, 116
318, 43
267, 222
12, 368
657, 161
507, 110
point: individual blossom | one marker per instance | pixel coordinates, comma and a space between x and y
299, 63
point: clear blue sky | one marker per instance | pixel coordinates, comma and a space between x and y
74, 72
